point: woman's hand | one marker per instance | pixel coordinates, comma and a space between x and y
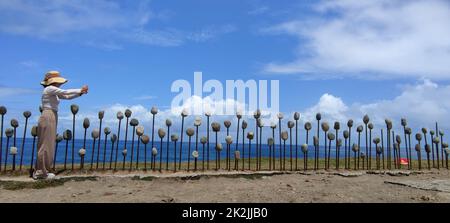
84, 89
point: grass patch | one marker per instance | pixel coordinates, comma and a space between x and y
41, 184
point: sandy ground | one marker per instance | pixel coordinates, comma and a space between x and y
430, 186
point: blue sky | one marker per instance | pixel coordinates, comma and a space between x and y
343, 58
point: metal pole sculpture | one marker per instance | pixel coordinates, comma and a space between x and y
239, 117
8, 133
227, 125
154, 111
15, 125
424, 131
133, 123
290, 125
197, 124
366, 120
316, 160
316, 144
34, 134
154, 154
418, 149
101, 114
74, 109
436, 141
244, 126
168, 124
174, 139
388, 140
3, 111
305, 156
359, 129
284, 137
58, 140
184, 114
270, 144
355, 149
428, 150
393, 147
338, 148
189, 132
208, 115
398, 140
95, 135
376, 141
13, 152
82, 153
259, 158
229, 141
308, 127
257, 115
325, 128
331, 137
203, 141
216, 128
296, 118
27, 115
139, 133
120, 117
370, 126
67, 135
349, 125
408, 132
363, 158
195, 156
404, 123
441, 134
432, 147
346, 135
280, 129
337, 126
250, 136
128, 114
237, 157
86, 124
219, 148
273, 126
382, 148
418, 146
145, 139
113, 142
124, 155
107, 131
161, 134
447, 151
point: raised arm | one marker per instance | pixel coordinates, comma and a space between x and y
64, 94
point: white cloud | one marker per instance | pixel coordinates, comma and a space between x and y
102, 24
211, 32
11, 91
371, 39
329, 106
422, 105
53, 17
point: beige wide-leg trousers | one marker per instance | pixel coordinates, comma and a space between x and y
46, 141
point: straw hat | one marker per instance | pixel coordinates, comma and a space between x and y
53, 77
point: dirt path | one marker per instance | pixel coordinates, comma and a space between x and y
242, 187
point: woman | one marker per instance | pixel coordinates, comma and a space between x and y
49, 119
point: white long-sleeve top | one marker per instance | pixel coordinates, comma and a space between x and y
51, 96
